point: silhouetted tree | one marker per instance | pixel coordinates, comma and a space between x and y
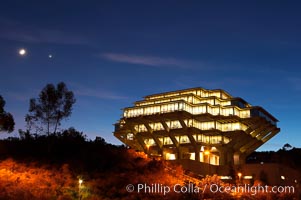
72, 134
25, 135
7, 122
287, 147
53, 105
100, 140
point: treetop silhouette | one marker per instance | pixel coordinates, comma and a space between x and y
48, 110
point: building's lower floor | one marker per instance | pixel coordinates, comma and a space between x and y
213, 155
267, 173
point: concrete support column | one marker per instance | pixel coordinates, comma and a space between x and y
237, 157
197, 153
242, 159
222, 157
229, 157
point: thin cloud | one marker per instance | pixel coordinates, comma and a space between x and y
152, 61
99, 94
77, 89
96, 93
15, 31
20, 95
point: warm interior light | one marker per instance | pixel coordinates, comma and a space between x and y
207, 152
170, 156
225, 177
192, 156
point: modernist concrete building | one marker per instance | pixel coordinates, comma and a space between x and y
208, 126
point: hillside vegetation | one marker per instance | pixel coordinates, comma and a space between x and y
50, 167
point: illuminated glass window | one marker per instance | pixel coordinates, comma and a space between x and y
199, 109
170, 156
184, 139
167, 141
192, 156
245, 113
188, 122
206, 139
130, 136
225, 103
156, 126
181, 106
215, 139
140, 128
206, 125
217, 102
215, 94
227, 111
215, 111
218, 126
195, 137
175, 124
150, 142
225, 96
226, 140
204, 94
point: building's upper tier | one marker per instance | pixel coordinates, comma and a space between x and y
197, 101
200, 92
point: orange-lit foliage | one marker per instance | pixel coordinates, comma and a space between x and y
36, 180
33, 181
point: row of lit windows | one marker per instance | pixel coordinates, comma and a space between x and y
211, 139
215, 125
210, 158
185, 140
199, 92
158, 126
181, 106
181, 139
140, 128
190, 99
193, 123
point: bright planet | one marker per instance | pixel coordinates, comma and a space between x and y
22, 52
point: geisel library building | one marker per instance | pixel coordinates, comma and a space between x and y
199, 128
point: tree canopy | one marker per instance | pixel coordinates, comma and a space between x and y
7, 122
48, 110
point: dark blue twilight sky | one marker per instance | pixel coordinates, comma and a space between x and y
111, 53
